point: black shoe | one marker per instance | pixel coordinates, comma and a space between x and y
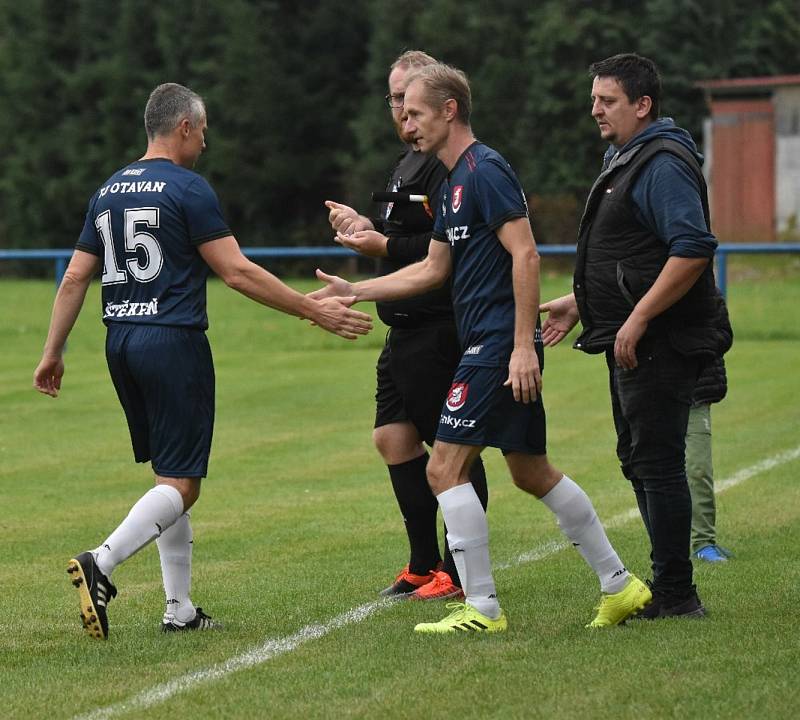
95, 591
201, 621
664, 606
406, 583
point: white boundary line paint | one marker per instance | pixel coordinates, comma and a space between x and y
250, 658
757, 469
280, 646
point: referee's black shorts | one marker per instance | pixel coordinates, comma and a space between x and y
164, 378
415, 371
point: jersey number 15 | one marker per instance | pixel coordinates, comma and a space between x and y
135, 238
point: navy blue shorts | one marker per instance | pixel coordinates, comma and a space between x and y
164, 378
480, 411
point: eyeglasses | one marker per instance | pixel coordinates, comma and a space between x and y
395, 101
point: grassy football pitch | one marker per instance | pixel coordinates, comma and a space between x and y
297, 529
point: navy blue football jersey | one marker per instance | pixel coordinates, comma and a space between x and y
145, 223
480, 195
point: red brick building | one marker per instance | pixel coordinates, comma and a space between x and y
752, 148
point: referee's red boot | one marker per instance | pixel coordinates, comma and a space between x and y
405, 584
441, 587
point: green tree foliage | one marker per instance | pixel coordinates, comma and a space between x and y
486, 46
277, 77
283, 90
295, 94
391, 30
689, 40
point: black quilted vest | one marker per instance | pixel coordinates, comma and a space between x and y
712, 383
618, 260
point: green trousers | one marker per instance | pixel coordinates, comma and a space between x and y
700, 473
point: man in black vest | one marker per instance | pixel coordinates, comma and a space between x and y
645, 294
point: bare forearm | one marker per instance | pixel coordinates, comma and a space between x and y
333, 314
406, 282
258, 284
66, 308
525, 278
675, 280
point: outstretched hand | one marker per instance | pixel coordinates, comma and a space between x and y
562, 316
335, 315
333, 312
335, 287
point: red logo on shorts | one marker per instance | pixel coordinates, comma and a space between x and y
457, 396
458, 194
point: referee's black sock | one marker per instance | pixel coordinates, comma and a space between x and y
418, 506
477, 476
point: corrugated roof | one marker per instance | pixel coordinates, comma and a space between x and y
760, 83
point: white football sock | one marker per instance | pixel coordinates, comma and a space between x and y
468, 536
175, 551
579, 522
155, 511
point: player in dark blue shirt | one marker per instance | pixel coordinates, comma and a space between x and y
474, 206
421, 352
483, 237
146, 223
156, 230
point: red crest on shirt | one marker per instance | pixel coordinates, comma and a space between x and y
458, 193
457, 396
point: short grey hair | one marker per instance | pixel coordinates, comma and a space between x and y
442, 83
413, 59
167, 105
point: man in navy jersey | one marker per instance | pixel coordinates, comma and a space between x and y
155, 228
419, 357
483, 237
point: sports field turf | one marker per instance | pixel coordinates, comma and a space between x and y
297, 529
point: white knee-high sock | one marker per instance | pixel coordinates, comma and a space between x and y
175, 551
154, 512
579, 522
468, 536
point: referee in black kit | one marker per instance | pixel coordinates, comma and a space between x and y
416, 367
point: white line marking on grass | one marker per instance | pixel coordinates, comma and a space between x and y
255, 656
539, 553
280, 646
757, 469
556, 546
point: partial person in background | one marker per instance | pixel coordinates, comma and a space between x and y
712, 386
156, 229
421, 353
